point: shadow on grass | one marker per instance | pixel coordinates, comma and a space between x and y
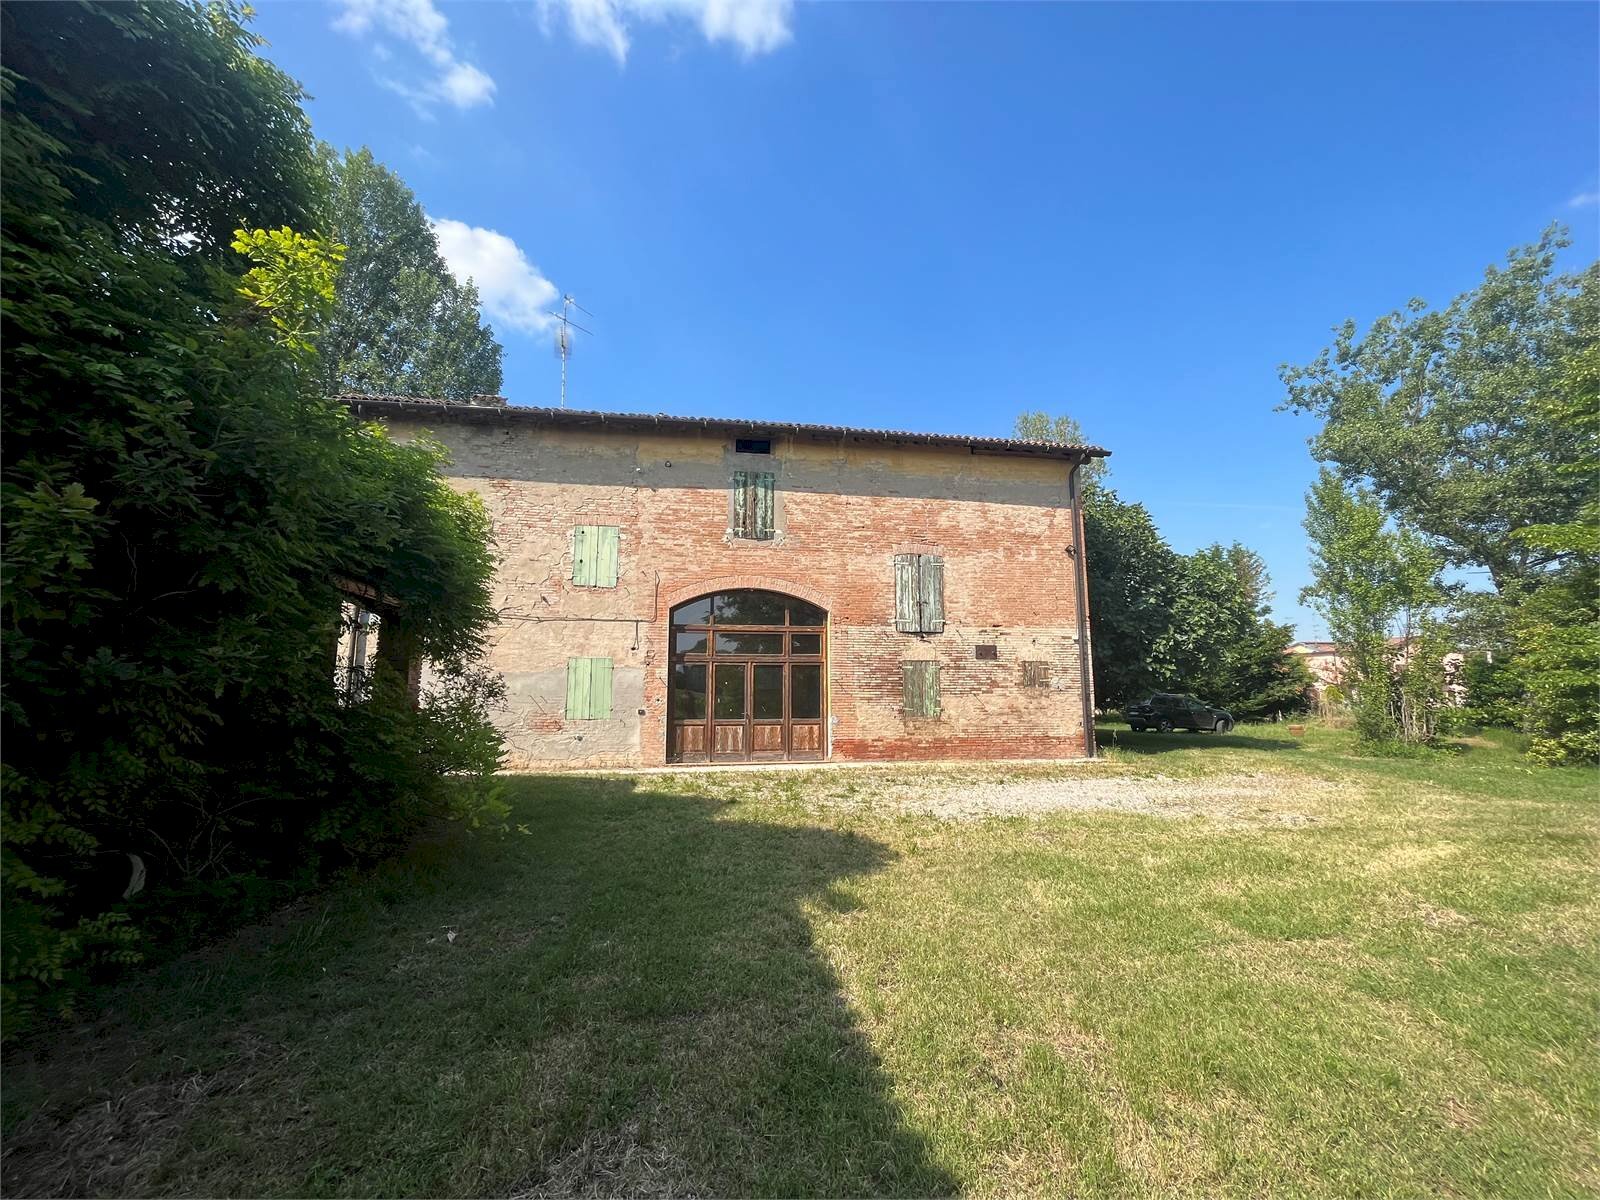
1152, 742
626, 1000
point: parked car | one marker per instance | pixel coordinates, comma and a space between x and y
1167, 711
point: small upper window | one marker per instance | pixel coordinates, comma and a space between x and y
753, 445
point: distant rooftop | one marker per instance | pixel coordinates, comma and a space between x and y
494, 409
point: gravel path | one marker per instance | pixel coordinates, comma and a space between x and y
1252, 798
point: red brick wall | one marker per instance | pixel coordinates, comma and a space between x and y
1004, 526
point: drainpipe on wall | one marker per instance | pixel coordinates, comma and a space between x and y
1081, 576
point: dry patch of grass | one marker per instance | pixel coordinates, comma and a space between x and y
623, 1160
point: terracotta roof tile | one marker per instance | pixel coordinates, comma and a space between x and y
493, 408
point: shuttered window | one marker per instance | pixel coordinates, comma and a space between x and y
588, 689
594, 556
918, 593
922, 689
1035, 674
752, 505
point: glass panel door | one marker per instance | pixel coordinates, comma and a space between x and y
730, 691
730, 723
766, 710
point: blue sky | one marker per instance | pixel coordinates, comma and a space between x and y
933, 217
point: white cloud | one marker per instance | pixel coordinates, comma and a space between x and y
1584, 200
752, 26
450, 79
513, 292
464, 85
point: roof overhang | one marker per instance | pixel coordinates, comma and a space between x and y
456, 412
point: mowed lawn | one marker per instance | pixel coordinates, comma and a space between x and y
1317, 974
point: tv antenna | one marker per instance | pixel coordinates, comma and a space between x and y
564, 327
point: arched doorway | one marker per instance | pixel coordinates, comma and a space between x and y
746, 681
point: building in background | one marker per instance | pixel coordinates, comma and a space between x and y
1327, 667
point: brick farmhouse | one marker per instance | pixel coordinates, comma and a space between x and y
678, 589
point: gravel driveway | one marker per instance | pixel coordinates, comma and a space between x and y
1252, 798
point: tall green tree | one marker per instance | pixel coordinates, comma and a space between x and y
1223, 644
1557, 666
1133, 576
1371, 581
192, 134
1445, 413
1250, 569
1210, 617
1165, 621
1556, 632
402, 323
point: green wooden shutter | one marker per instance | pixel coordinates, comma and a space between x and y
594, 555
919, 593
582, 556
930, 593
905, 593
741, 504
605, 555
753, 505
600, 689
588, 689
762, 517
921, 689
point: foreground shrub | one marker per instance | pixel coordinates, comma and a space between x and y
184, 512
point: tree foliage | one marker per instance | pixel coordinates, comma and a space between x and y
182, 503
1132, 574
1039, 426
402, 323
1223, 644
1557, 635
1372, 581
1477, 427
1164, 621
162, 122
1556, 632
291, 281
1449, 415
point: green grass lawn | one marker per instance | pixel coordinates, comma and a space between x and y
1354, 977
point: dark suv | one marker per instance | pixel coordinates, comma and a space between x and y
1166, 712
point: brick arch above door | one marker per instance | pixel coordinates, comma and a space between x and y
678, 594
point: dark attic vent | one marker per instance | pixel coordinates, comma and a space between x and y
753, 445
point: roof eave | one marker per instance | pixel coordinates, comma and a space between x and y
577, 418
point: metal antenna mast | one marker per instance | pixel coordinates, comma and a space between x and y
564, 327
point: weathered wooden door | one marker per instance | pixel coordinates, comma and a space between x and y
746, 679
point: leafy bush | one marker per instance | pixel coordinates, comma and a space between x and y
1494, 693
184, 512
1558, 666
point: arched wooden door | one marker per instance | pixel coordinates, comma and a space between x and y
747, 680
